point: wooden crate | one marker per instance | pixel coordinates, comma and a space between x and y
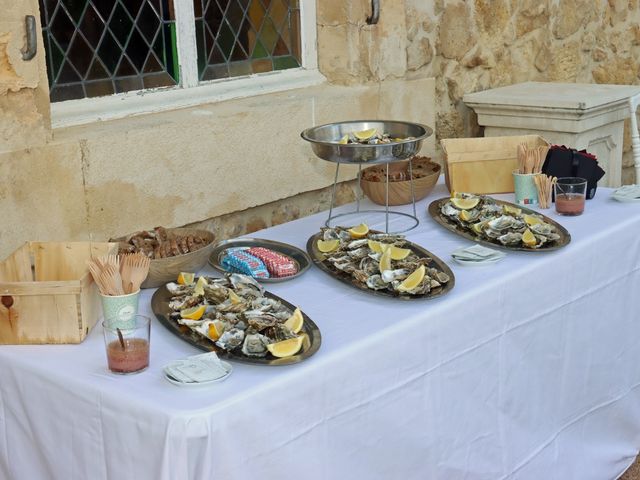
484, 165
47, 294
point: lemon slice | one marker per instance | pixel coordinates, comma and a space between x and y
385, 260
233, 296
465, 203
509, 210
532, 220
216, 329
398, 253
344, 140
413, 280
194, 313
528, 238
359, 231
295, 321
365, 134
286, 348
186, 278
326, 246
199, 290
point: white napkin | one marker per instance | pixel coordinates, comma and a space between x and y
627, 193
477, 254
201, 368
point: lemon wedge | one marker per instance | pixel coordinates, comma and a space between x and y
477, 227
194, 313
528, 238
413, 280
199, 289
216, 329
385, 260
465, 203
344, 140
235, 299
375, 246
532, 220
509, 210
185, 278
398, 253
286, 348
359, 231
326, 246
295, 321
365, 134
465, 216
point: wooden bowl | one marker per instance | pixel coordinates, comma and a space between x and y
400, 190
164, 270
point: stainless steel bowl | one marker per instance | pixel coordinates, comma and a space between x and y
324, 140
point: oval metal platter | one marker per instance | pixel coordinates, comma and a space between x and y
317, 257
434, 212
301, 259
160, 307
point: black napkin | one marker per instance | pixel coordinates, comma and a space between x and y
562, 161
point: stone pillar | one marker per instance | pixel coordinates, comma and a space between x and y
582, 116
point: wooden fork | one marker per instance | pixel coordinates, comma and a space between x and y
125, 272
112, 279
96, 272
139, 270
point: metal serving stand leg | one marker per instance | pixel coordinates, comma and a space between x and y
387, 212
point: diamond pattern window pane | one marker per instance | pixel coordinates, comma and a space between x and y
102, 47
241, 37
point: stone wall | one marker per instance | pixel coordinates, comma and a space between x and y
474, 45
181, 167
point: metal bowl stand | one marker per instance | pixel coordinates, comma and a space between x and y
386, 210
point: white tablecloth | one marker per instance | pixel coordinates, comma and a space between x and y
527, 369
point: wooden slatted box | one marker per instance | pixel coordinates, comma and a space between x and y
485, 164
47, 294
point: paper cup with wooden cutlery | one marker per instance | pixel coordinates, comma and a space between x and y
530, 161
119, 278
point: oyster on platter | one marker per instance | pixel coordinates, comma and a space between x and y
234, 313
502, 224
379, 262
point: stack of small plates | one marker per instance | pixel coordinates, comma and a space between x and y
627, 193
477, 255
197, 371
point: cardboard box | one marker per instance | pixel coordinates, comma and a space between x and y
484, 165
47, 294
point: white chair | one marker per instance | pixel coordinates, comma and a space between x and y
635, 136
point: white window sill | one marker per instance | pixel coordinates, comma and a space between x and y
90, 110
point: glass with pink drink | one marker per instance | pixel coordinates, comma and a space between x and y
127, 344
570, 195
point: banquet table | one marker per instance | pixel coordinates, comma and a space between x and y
527, 369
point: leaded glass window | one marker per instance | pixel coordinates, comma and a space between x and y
241, 37
101, 47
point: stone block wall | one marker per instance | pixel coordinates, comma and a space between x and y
74, 183
475, 45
